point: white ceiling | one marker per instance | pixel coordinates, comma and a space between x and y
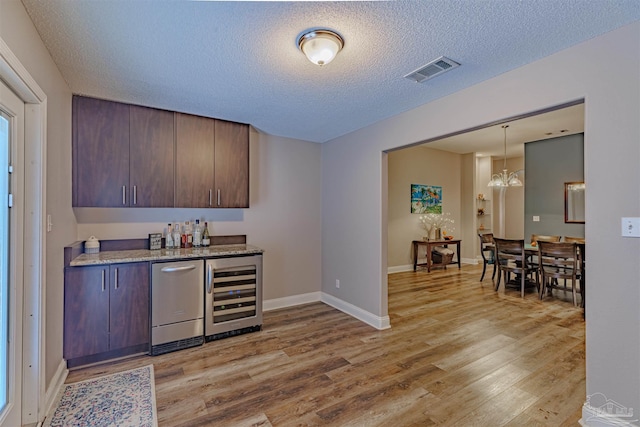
239, 60
489, 141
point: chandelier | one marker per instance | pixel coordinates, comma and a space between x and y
504, 178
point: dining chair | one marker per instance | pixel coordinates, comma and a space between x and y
581, 243
569, 239
559, 261
487, 250
535, 238
512, 258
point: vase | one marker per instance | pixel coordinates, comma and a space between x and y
438, 234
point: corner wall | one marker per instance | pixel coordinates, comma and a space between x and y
354, 169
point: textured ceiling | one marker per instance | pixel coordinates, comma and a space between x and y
239, 60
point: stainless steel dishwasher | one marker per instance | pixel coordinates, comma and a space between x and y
177, 305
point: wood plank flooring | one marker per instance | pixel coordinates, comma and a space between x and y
457, 354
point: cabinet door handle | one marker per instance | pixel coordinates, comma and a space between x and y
210, 197
115, 273
135, 195
218, 197
103, 288
124, 195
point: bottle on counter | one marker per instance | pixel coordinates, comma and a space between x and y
188, 232
197, 235
168, 239
206, 241
177, 236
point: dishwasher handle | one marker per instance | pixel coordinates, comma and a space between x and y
209, 277
174, 269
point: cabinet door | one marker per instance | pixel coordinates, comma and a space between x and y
194, 161
151, 156
100, 153
86, 311
232, 164
129, 307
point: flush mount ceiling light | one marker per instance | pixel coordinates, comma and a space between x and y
320, 46
505, 179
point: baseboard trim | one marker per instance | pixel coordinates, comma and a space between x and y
277, 303
56, 384
409, 267
360, 314
399, 268
604, 416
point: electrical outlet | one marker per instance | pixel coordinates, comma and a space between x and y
536, 218
338, 283
630, 227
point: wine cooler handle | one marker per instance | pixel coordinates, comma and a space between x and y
209, 278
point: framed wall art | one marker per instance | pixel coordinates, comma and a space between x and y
426, 199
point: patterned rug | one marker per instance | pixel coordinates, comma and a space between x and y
125, 399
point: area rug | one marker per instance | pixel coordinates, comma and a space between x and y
125, 399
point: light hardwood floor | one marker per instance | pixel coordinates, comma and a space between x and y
457, 354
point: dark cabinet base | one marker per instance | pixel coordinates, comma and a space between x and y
108, 355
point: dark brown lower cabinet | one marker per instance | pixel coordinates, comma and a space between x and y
106, 312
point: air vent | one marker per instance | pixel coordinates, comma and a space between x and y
432, 69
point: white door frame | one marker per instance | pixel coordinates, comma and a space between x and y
16, 77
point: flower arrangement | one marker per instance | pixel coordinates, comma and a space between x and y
431, 222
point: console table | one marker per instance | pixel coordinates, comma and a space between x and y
430, 245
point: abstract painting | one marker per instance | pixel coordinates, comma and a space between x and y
426, 199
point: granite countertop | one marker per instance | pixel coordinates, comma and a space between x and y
138, 255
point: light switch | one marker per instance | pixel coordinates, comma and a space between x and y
630, 227
49, 223
536, 218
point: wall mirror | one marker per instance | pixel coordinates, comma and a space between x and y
574, 202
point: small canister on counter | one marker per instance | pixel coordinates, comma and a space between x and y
92, 245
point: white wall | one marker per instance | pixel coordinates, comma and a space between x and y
354, 209
418, 165
284, 217
17, 30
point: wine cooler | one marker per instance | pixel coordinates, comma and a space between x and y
233, 296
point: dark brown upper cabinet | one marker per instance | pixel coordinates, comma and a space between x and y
122, 155
194, 161
212, 163
100, 153
134, 156
232, 165
151, 157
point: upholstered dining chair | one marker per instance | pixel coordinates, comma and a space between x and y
512, 258
487, 250
559, 261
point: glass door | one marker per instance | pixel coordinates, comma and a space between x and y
11, 144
